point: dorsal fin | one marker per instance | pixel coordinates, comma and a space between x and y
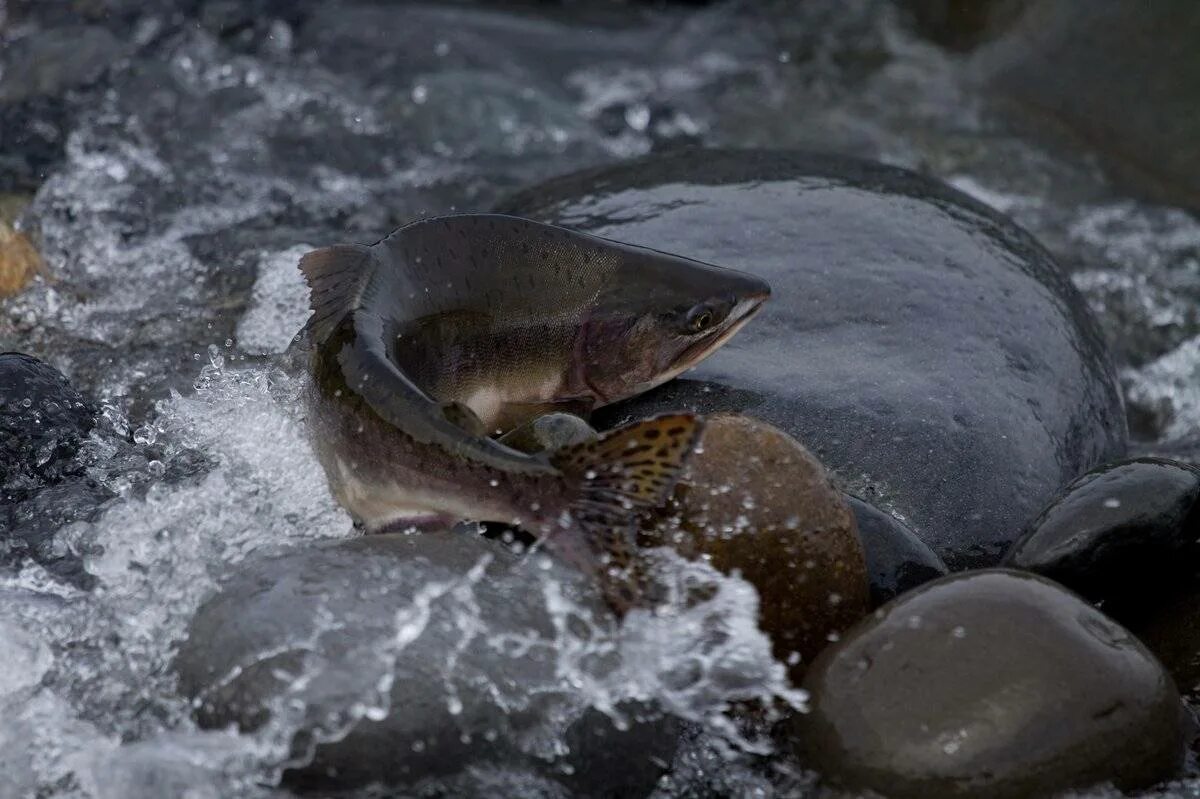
336, 277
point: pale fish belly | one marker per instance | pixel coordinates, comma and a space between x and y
502, 405
387, 506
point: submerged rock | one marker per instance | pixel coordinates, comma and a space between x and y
1124, 535
924, 348
752, 500
433, 654
43, 420
989, 684
897, 561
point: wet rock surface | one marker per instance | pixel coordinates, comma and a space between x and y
753, 501
1125, 535
43, 420
898, 343
990, 684
897, 561
371, 639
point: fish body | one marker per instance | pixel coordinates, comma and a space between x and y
455, 327
512, 319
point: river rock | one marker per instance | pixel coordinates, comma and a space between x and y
989, 684
456, 631
924, 348
897, 561
754, 501
43, 420
1122, 79
1125, 535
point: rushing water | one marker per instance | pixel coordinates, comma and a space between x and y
204, 164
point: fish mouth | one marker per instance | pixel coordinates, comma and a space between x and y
742, 313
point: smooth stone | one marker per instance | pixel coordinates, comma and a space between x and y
897, 561
548, 433
43, 420
752, 500
989, 684
924, 348
317, 627
1121, 79
1123, 535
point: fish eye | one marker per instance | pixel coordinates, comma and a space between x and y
700, 318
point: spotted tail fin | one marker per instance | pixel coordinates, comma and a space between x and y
617, 476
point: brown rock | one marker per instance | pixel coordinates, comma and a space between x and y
19, 261
754, 500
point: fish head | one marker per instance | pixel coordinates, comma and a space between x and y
660, 315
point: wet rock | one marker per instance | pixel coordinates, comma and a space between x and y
1121, 78
548, 433
43, 420
1125, 535
19, 261
897, 561
752, 500
927, 351
989, 684
435, 651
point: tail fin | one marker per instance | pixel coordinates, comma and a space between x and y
620, 474
336, 277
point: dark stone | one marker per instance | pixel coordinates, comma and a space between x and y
33, 133
1124, 535
1173, 633
1122, 78
963, 24
333, 614
989, 684
43, 420
897, 561
924, 348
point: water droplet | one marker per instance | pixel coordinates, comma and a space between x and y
145, 435
1112, 502
156, 468
420, 93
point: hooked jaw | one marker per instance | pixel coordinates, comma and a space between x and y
743, 312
